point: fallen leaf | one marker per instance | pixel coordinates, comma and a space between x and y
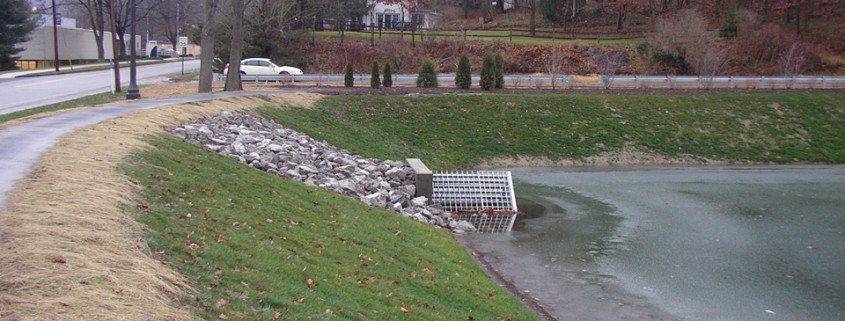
328, 311
309, 282
257, 287
59, 260
222, 317
404, 310
222, 302
277, 315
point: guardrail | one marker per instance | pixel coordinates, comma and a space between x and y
594, 82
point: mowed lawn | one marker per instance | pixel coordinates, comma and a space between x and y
255, 246
460, 131
260, 247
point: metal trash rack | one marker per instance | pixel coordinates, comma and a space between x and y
483, 198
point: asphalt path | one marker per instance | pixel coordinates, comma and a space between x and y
21, 146
30, 92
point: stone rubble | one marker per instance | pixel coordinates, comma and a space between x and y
263, 144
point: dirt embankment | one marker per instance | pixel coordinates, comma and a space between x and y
68, 251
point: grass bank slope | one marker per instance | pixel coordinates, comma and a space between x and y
460, 131
260, 247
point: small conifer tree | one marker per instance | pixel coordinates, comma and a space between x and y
348, 77
375, 81
388, 76
427, 75
488, 72
463, 77
500, 71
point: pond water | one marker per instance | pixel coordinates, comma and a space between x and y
704, 243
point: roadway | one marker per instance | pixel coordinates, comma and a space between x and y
28, 92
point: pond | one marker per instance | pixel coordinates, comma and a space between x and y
691, 243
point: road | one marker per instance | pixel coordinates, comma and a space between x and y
29, 92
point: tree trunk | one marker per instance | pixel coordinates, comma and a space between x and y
653, 20
466, 9
233, 79
207, 45
114, 52
621, 17
533, 18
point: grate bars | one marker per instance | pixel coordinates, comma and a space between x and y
483, 198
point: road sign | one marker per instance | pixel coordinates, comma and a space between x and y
183, 42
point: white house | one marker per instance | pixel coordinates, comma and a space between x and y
396, 16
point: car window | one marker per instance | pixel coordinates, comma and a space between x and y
249, 63
263, 63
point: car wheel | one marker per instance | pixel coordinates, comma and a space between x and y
286, 77
243, 73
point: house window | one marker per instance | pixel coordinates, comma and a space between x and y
387, 20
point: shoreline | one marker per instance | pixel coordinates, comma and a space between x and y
535, 305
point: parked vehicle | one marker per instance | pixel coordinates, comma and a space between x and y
167, 53
263, 66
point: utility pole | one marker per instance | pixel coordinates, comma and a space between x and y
55, 38
132, 92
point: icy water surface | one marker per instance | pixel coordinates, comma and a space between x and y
743, 243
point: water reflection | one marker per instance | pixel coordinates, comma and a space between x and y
685, 243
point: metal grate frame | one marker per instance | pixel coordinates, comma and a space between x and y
483, 198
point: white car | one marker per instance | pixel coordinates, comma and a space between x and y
263, 66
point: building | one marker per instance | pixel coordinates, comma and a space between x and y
396, 16
74, 44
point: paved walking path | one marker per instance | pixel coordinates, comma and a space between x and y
21, 146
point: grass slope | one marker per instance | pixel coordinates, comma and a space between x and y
261, 247
96, 99
459, 131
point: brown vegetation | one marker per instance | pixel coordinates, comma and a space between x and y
69, 252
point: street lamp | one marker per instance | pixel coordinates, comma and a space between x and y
132, 92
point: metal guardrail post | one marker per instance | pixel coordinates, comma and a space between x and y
700, 85
824, 83
668, 82
636, 82
530, 82
762, 82
731, 82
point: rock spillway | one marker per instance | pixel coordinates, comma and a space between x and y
266, 145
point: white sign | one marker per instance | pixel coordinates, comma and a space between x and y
183, 42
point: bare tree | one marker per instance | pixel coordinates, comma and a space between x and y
207, 44
710, 64
792, 61
233, 78
685, 36
95, 10
554, 64
608, 62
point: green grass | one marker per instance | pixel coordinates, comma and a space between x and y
86, 101
255, 246
459, 131
479, 35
